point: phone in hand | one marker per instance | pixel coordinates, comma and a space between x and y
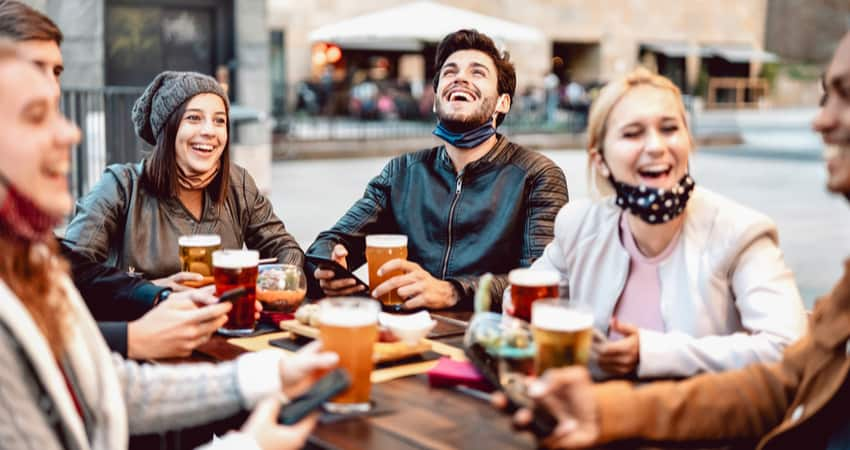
542, 424
328, 387
339, 272
232, 295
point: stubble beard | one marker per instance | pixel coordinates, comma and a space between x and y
462, 124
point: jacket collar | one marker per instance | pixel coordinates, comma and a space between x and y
831, 320
494, 155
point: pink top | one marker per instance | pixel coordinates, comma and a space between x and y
640, 301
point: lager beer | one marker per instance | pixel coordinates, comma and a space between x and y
196, 252
381, 248
234, 269
529, 285
348, 326
563, 334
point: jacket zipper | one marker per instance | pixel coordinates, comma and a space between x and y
458, 188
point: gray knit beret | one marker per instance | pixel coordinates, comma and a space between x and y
165, 93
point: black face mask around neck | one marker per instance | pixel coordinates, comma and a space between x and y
654, 205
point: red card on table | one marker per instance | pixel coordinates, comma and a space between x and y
450, 373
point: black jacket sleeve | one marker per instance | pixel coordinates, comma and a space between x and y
115, 334
110, 294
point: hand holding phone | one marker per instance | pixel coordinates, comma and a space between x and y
542, 424
328, 387
338, 270
232, 295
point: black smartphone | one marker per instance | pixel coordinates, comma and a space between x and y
232, 295
328, 387
339, 271
543, 424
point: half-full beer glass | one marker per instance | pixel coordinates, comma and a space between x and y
381, 248
196, 252
528, 286
234, 269
348, 326
563, 334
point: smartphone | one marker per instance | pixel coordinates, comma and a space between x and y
328, 387
339, 271
232, 295
542, 424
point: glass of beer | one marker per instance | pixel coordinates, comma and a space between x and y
348, 326
234, 269
381, 248
516, 355
196, 252
563, 334
528, 285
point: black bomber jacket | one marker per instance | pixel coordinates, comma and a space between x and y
496, 215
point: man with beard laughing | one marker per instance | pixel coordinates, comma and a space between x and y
476, 204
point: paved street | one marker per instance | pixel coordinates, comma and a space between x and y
814, 227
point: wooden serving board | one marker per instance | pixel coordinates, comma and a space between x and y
383, 351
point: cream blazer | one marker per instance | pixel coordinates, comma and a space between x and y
727, 297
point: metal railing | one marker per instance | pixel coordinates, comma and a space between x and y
103, 115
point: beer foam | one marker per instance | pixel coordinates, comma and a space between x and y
534, 278
386, 240
199, 240
343, 316
559, 318
235, 259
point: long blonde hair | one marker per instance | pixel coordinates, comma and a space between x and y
601, 109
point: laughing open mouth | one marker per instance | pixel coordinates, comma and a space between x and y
655, 171
460, 95
203, 148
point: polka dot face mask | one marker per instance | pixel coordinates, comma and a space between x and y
654, 205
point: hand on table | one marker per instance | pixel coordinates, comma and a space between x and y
621, 357
568, 396
339, 287
176, 326
419, 287
174, 282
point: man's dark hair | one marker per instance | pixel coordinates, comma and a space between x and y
473, 40
159, 175
20, 22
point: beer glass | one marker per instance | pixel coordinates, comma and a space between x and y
528, 285
381, 248
563, 334
348, 326
516, 354
234, 269
196, 252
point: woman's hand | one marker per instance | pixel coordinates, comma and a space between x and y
175, 282
176, 326
299, 371
621, 357
263, 427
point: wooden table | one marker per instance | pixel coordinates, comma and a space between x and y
422, 417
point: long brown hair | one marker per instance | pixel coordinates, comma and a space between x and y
160, 171
31, 271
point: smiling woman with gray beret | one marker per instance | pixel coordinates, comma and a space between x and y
135, 214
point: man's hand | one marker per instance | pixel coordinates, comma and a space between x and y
340, 287
621, 357
263, 427
299, 371
176, 326
567, 395
418, 286
174, 282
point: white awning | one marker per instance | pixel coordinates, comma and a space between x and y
408, 25
738, 53
671, 49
